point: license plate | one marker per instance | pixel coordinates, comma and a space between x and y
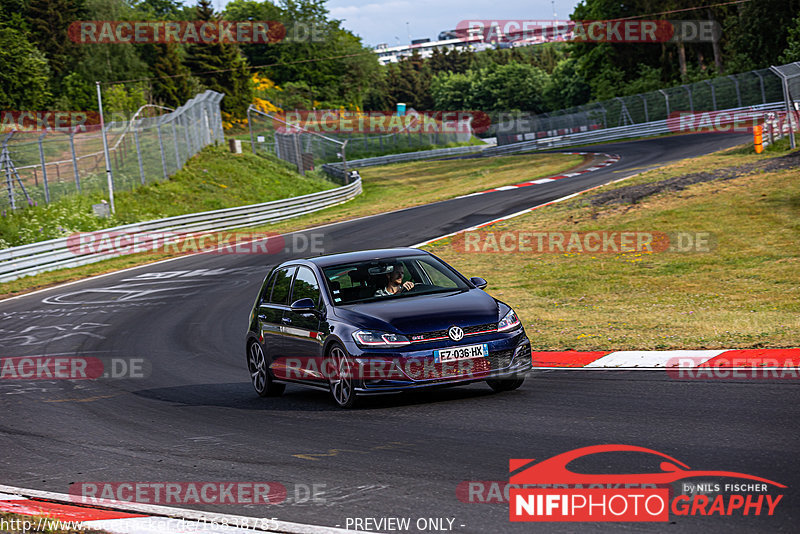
460, 353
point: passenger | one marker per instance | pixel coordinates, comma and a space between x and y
394, 282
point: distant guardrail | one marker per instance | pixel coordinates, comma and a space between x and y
618, 133
611, 134
336, 170
55, 254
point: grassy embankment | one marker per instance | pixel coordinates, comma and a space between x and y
216, 175
744, 293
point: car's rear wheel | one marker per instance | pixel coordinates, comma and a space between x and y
505, 384
259, 374
342, 379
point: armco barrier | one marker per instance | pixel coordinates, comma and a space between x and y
337, 171
547, 143
609, 134
54, 254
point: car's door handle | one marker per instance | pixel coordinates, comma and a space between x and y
286, 320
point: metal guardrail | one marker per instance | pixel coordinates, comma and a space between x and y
547, 143
337, 170
55, 254
611, 134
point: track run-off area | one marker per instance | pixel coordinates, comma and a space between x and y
182, 408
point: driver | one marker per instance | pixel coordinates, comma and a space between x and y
394, 282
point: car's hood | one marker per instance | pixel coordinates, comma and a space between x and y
424, 313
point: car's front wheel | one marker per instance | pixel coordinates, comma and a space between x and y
342, 378
505, 384
259, 374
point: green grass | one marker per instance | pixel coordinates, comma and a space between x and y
744, 293
23, 524
214, 179
385, 188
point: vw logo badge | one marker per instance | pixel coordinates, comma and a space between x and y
455, 333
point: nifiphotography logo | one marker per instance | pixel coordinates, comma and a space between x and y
549, 491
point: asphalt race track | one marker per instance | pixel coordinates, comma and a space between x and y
194, 416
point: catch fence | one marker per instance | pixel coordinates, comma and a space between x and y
289, 141
43, 166
736, 91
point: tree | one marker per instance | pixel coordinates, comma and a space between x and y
566, 87
511, 87
49, 22
76, 93
452, 91
221, 67
24, 73
761, 32
792, 51
173, 85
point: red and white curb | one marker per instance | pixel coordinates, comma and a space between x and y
120, 517
761, 359
610, 160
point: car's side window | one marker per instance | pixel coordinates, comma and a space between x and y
305, 285
266, 289
283, 282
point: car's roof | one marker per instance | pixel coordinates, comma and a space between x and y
364, 255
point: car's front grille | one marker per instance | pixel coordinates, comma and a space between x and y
437, 371
442, 334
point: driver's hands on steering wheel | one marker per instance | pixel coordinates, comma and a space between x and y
408, 286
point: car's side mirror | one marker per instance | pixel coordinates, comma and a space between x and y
479, 282
305, 305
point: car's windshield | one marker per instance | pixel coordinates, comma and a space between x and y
390, 278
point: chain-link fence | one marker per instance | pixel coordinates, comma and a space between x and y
789, 75
41, 167
724, 92
307, 149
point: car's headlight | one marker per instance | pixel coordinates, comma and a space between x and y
508, 322
371, 338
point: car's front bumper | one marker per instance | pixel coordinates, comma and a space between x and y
509, 356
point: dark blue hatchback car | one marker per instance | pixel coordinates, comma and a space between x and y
380, 321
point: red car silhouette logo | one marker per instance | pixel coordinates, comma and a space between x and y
554, 470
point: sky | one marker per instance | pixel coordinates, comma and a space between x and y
378, 21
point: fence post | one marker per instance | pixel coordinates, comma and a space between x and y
44, 169
187, 120
789, 111
250, 127
738, 93
691, 102
6, 159
175, 142
644, 103
138, 153
713, 94
761, 83
74, 160
163, 155
666, 100
298, 155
